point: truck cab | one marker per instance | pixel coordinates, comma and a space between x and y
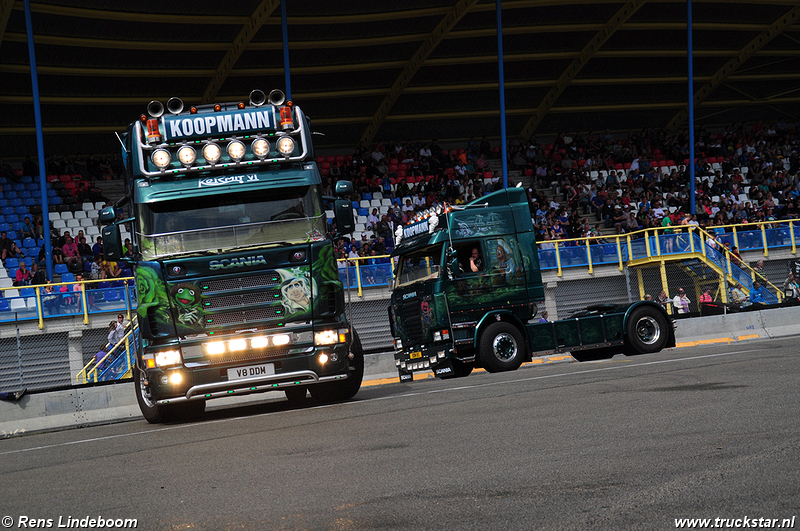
237, 286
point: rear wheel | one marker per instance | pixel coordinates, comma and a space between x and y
155, 413
344, 389
502, 347
647, 330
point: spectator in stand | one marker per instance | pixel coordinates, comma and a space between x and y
28, 230
38, 276
97, 248
71, 256
756, 295
8, 249
23, 276
790, 287
84, 250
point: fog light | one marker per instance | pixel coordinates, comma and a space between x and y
175, 378
237, 345
260, 148
334, 357
397, 363
281, 339
437, 336
259, 342
402, 365
285, 146
187, 155
433, 359
323, 358
236, 150
427, 364
441, 353
164, 380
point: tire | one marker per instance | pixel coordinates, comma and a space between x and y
345, 389
647, 331
157, 413
296, 395
460, 370
502, 347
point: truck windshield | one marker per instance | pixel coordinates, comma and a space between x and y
228, 221
416, 266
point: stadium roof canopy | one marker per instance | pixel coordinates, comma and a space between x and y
403, 70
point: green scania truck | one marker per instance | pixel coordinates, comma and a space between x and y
236, 281
467, 291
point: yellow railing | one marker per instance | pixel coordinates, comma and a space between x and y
91, 370
732, 231
360, 263
40, 293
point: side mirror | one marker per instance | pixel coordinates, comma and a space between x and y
108, 215
345, 222
112, 246
343, 188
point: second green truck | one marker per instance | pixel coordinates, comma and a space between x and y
467, 291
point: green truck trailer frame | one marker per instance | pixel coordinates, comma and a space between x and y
448, 318
236, 280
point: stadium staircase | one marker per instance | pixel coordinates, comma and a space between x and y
117, 364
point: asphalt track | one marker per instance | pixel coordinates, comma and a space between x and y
629, 443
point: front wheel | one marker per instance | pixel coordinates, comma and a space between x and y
647, 330
156, 413
345, 389
502, 347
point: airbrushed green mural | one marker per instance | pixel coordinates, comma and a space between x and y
188, 305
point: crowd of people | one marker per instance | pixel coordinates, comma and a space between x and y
744, 174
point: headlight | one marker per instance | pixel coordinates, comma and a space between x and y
330, 337
237, 345
168, 358
187, 155
161, 158
217, 347
211, 153
236, 150
259, 342
281, 339
285, 145
260, 148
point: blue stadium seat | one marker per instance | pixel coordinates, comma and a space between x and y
60, 269
4, 306
67, 277
113, 295
28, 243
5, 227
22, 210
11, 262
27, 292
7, 210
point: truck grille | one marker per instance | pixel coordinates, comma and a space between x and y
412, 320
242, 299
247, 356
234, 283
243, 317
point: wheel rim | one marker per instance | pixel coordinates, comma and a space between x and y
647, 330
143, 393
504, 347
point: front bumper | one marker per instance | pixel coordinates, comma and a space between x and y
423, 358
211, 381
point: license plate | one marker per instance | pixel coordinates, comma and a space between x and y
251, 371
415, 355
